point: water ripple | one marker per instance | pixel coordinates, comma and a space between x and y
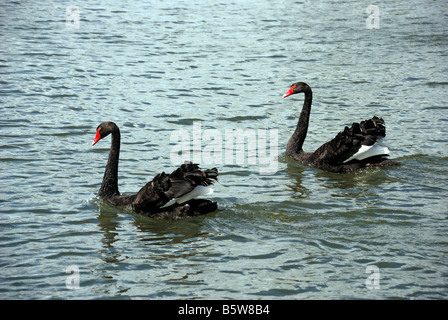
157, 67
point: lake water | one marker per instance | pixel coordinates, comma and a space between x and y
158, 67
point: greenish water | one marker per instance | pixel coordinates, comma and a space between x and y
161, 66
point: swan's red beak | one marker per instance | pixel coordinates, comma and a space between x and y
97, 137
290, 92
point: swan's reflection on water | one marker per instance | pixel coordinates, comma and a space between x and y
116, 224
304, 181
138, 250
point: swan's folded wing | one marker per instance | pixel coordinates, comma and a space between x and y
178, 187
359, 138
152, 196
191, 172
365, 152
196, 192
189, 182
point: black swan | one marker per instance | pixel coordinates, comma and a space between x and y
359, 146
167, 195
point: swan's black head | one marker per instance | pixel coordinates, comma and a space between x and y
297, 88
103, 130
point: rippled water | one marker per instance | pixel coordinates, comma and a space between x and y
160, 66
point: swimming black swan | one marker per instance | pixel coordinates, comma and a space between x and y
356, 147
167, 195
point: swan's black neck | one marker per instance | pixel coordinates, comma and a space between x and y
295, 143
109, 187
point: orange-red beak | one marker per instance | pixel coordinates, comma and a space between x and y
290, 92
97, 137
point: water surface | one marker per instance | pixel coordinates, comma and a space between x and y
161, 66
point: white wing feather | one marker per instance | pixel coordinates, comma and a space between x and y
196, 192
378, 148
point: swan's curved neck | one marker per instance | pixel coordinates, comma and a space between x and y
295, 143
109, 186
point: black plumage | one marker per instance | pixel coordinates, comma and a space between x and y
157, 197
341, 153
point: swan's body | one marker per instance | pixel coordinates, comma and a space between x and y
356, 147
167, 195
